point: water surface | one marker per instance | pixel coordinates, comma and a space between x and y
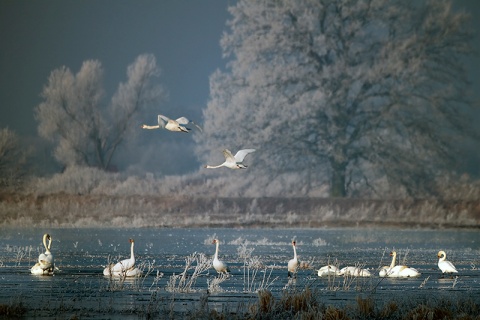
78, 286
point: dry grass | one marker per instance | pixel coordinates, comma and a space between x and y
68, 210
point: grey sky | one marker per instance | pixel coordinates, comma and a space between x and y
39, 36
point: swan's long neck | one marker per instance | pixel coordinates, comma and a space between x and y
294, 253
214, 167
394, 257
443, 256
131, 253
47, 248
150, 127
49, 244
216, 251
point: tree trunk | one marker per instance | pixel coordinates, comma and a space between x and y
338, 180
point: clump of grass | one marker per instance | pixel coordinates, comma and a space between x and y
15, 310
252, 265
366, 307
184, 282
423, 311
214, 284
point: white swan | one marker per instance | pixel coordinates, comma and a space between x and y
293, 263
124, 268
233, 162
171, 125
45, 264
355, 272
399, 271
328, 270
445, 265
219, 265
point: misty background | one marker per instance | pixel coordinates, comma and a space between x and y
184, 36
38, 37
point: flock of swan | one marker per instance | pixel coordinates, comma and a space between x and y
127, 268
391, 271
179, 125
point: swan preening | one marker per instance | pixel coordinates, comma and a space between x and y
231, 161
399, 271
355, 272
124, 268
293, 263
45, 263
172, 125
219, 265
445, 265
328, 270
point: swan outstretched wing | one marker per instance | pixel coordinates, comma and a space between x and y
183, 120
228, 156
241, 154
162, 120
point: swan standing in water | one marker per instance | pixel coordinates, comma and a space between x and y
171, 125
293, 263
219, 265
124, 268
399, 271
45, 264
233, 162
445, 265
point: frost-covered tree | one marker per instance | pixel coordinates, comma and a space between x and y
13, 159
368, 96
87, 130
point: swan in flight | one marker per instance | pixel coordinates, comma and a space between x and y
328, 270
355, 272
124, 268
172, 125
233, 162
445, 265
45, 263
293, 263
219, 265
399, 271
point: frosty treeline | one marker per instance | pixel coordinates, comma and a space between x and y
368, 97
364, 98
86, 129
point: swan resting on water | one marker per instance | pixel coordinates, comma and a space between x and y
399, 271
328, 270
45, 264
355, 272
124, 268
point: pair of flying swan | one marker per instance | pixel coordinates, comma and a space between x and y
179, 125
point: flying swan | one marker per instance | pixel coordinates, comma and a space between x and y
124, 268
399, 271
171, 125
293, 263
445, 265
45, 263
233, 162
219, 265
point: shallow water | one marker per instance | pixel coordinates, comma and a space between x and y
79, 287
